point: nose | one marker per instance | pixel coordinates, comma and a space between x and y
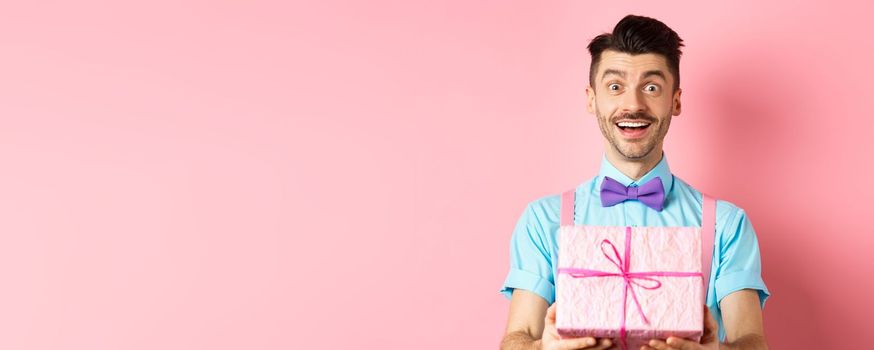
632, 102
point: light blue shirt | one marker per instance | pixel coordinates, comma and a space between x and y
534, 245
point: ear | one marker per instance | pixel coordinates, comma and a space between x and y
678, 107
590, 99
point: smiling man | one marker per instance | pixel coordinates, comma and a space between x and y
634, 91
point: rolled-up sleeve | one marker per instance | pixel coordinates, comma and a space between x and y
740, 265
530, 263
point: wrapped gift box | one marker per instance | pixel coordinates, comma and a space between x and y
591, 290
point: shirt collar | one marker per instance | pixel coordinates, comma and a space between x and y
660, 170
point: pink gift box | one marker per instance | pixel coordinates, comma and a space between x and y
664, 274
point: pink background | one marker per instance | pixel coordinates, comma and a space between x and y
257, 175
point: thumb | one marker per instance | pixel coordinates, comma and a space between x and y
710, 327
550, 314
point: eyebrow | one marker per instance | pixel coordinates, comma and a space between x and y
614, 72
656, 72
645, 75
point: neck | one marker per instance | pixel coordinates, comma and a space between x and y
634, 168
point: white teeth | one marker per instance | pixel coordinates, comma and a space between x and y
631, 125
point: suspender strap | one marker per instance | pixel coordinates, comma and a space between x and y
708, 234
567, 207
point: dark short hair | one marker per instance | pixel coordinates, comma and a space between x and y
638, 35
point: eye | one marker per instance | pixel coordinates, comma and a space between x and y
651, 88
613, 87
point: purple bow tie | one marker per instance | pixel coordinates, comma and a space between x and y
651, 193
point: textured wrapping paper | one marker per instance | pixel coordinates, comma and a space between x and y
592, 306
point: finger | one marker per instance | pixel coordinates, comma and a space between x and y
576, 343
683, 344
550, 314
708, 318
602, 345
710, 327
660, 345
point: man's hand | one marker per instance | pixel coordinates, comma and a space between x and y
708, 341
552, 341
531, 326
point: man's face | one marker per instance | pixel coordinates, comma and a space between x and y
633, 101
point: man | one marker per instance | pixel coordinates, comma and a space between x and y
634, 90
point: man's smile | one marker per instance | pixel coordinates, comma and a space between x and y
633, 129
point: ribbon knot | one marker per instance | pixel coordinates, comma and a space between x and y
632, 192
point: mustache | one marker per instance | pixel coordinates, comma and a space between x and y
639, 116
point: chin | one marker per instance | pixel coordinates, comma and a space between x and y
632, 157
635, 154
